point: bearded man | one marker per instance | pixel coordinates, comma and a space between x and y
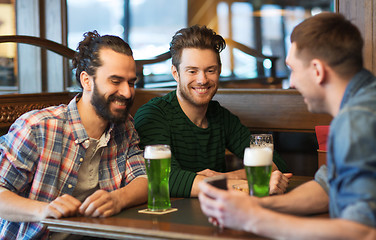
81, 158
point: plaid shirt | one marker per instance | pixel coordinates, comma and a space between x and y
40, 157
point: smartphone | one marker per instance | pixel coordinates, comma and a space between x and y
219, 181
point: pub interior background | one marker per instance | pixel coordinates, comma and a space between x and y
262, 27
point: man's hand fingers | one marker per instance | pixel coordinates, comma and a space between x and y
278, 182
99, 204
288, 175
63, 206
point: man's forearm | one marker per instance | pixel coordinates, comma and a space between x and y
135, 193
276, 225
19, 209
195, 189
237, 174
308, 198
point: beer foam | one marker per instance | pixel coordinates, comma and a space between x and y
157, 153
258, 156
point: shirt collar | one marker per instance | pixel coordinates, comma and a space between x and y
361, 79
74, 119
78, 129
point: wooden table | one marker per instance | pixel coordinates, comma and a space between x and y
186, 223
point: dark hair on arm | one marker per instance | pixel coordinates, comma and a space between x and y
87, 54
196, 36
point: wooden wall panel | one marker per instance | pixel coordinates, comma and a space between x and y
14, 105
259, 109
262, 110
271, 109
363, 14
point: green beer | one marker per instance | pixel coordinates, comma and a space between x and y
158, 165
258, 166
258, 180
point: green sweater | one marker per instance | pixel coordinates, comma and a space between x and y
162, 121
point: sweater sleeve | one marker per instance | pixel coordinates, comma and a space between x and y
152, 125
237, 135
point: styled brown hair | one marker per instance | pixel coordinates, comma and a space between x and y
331, 38
87, 55
195, 37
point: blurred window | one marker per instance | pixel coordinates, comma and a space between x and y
105, 16
151, 26
8, 51
264, 27
148, 26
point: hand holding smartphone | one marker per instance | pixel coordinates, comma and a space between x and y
219, 181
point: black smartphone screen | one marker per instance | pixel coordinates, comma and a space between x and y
219, 181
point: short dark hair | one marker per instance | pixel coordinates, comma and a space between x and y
87, 55
332, 38
195, 37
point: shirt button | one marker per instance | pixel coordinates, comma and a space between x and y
70, 186
81, 159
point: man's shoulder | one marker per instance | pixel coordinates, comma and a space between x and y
215, 107
45, 114
214, 104
158, 104
361, 91
359, 110
365, 99
166, 99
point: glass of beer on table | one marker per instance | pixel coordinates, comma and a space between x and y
158, 166
258, 159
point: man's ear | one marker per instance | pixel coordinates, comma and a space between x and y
175, 73
319, 71
85, 81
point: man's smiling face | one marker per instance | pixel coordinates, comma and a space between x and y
113, 84
198, 76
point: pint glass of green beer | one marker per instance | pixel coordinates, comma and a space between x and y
158, 165
258, 159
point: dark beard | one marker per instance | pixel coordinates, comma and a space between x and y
102, 106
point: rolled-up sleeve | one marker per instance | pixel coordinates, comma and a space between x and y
18, 155
135, 165
321, 177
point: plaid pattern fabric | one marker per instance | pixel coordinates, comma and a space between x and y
40, 157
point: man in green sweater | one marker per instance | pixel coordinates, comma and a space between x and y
198, 129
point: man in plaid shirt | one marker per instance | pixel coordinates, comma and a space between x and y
81, 158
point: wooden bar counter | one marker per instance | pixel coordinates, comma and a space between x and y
186, 223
